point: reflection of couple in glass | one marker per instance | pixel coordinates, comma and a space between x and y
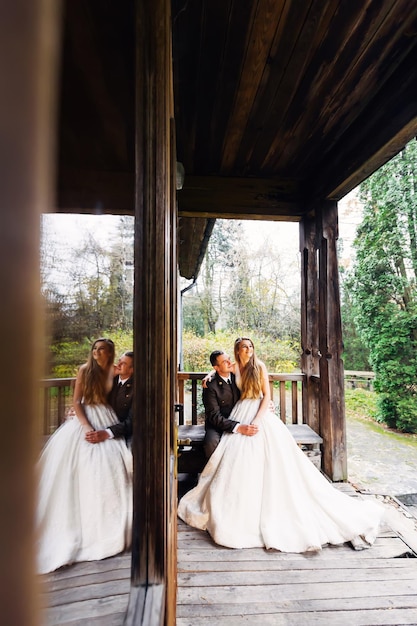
85, 484
261, 490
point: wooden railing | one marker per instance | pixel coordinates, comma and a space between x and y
286, 392
355, 379
56, 398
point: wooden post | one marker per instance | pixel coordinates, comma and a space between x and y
309, 321
153, 592
29, 34
332, 408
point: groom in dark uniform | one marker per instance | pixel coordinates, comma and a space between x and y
120, 399
219, 397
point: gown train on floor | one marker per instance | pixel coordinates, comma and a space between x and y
262, 491
84, 508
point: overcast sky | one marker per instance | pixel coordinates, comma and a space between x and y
69, 231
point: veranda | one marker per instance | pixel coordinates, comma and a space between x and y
233, 587
275, 109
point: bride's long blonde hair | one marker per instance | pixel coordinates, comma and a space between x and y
251, 373
94, 377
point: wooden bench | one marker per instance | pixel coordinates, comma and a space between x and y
191, 457
308, 440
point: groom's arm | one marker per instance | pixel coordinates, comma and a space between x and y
121, 429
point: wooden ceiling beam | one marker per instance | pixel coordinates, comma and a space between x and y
359, 96
91, 191
374, 162
321, 93
241, 198
303, 24
255, 61
378, 135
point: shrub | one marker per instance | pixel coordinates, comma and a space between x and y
361, 403
278, 356
66, 357
398, 412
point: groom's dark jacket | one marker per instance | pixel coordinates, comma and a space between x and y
219, 398
121, 400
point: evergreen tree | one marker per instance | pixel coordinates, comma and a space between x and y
383, 286
355, 351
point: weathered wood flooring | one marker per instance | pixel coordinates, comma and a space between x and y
223, 587
95, 592
338, 586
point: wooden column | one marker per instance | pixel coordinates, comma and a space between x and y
332, 406
29, 33
309, 322
153, 592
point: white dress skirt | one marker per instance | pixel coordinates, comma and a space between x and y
262, 491
84, 510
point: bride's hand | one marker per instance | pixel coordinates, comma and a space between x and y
209, 377
248, 429
97, 436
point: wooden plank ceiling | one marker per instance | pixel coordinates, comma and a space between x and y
278, 103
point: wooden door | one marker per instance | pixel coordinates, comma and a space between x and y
153, 592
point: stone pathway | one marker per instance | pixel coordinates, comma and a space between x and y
379, 461
385, 464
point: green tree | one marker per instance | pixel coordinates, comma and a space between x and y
355, 351
383, 286
88, 286
263, 298
119, 298
244, 288
89, 276
217, 272
192, 314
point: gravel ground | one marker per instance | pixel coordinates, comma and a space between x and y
384, 463
380, 461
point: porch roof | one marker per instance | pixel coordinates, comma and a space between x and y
278, 103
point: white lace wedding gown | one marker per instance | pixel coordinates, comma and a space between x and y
84, 508
262, 491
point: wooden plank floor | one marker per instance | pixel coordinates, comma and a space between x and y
338, 586
223, 587
95, 592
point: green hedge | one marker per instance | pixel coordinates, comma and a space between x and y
278, 356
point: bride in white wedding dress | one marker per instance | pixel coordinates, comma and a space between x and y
262, 491
84, 510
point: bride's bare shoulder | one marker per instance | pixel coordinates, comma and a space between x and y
263, 367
